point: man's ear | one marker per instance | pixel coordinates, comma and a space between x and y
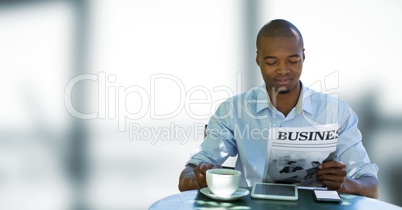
304, 56
257, 59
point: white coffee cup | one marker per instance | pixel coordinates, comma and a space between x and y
223, 182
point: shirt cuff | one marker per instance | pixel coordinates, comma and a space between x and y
366, 170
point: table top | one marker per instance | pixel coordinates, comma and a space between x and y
194, 199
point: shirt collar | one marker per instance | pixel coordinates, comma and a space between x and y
263, 99
302, 104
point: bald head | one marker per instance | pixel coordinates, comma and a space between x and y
279, 28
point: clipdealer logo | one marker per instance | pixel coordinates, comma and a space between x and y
113, 101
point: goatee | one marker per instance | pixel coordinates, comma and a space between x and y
282, 90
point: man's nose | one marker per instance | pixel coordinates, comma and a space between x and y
282, 68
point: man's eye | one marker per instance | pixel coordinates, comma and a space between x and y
271, 63
293, 61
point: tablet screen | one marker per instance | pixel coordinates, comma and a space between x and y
279, 190
275, 191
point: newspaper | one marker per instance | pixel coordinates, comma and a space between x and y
294, 153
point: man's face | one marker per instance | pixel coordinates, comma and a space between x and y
281, 61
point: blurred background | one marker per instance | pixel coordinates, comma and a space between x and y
102, 102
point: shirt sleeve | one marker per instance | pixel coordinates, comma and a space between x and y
219, 143
351, 150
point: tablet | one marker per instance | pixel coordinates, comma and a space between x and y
275, 191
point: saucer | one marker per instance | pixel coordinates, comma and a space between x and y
241, 192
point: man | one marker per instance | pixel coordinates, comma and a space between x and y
283, 101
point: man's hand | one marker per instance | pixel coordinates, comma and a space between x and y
332, 174
193, 177
200, 173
